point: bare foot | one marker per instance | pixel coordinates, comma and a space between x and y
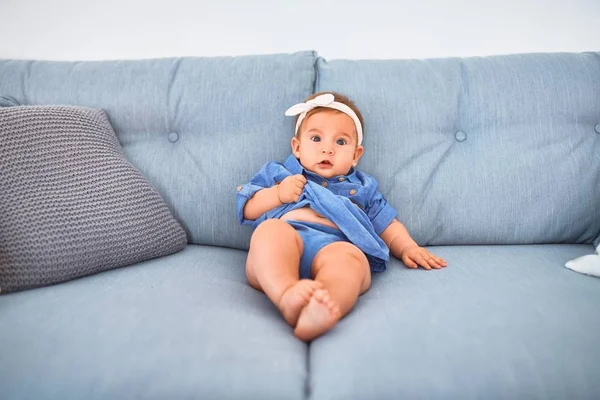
295, 298
320, 315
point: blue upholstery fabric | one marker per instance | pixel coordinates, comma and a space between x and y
506, 322
495, 150
195, 127
7, 101
179, 327
487, 150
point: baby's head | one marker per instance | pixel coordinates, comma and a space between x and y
329, 131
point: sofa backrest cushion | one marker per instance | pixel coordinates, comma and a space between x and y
486, 150
195, 127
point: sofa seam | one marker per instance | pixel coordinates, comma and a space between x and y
316, 75
307, 380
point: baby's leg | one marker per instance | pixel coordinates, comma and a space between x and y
344, 271
273, 267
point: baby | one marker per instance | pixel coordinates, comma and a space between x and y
321, 226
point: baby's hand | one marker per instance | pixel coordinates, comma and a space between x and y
414, 256
290, 189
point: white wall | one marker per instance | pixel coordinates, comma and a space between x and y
119, 29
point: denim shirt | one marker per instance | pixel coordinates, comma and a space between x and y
352, 202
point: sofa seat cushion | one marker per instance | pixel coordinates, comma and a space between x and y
182, 326
499, 322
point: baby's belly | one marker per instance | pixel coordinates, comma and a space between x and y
307, 214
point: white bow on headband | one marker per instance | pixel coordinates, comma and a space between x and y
326, 100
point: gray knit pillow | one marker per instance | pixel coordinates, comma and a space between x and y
71, 204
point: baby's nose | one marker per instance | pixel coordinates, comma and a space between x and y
327, 151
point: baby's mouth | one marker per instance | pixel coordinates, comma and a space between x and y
325, 163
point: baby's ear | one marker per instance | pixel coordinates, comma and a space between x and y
295, 147
358, 154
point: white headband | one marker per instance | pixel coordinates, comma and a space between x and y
326, 100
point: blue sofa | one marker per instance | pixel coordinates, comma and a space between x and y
492, 162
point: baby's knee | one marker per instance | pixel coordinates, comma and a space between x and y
357, 255
271, 226
274, 230
345, 255
352, 255
359, 265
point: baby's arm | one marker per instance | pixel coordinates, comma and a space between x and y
397, 238
262, 201
288, 191
402, 246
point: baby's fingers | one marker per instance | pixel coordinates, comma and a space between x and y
440, 261
422, 261
299, 184
300, 178
434, 261
413, 260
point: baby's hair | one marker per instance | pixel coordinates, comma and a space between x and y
340, 98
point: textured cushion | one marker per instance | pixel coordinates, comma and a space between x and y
486, 150
195, 127
500, 322
71, 203
186, 326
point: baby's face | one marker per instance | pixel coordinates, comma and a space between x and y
327, 144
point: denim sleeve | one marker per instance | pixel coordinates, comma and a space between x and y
380, 212
268, 175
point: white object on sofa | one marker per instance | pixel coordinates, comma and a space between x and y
588, 264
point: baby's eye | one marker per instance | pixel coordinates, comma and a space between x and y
341, 142
315, 138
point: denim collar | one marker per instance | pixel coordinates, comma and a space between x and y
293, 165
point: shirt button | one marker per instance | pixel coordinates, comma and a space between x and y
352, 192
239, 188
341, 179
324, 184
